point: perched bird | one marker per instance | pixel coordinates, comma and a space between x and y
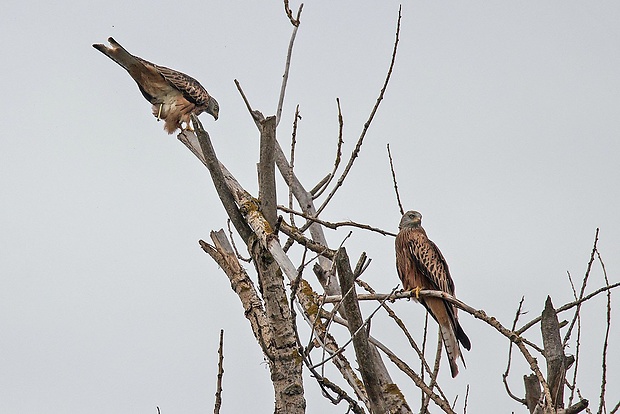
174, 95
421, 265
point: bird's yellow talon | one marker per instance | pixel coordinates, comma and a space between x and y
417, 290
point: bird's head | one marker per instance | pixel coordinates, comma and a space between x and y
410, 219
213, 108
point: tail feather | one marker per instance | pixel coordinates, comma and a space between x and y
452, 347
439, 311
119, 54
462, 337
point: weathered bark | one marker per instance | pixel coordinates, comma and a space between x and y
554, 354
385, 396
266, 170
575, 408
286, 362
205, 148
224, 255
271, 325
359, 334
532, 391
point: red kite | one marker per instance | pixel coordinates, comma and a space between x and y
174, 95
420, 266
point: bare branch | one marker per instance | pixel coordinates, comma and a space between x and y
400, 205
257, 116
568, 306
466, 398
266, 171
601, 406
243, 286
335, 225
342, 395
573, 385
441, 403
220, 374
359, 335
232, 241
289, 54
294, 21
370, 362
583, 288
318, 189
360, 140
505, 376
434, 374
212, 163
292, 163
478, 314
294, 234
402, 326
304, 198
577, 408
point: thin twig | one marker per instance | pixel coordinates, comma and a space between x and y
573, 384
318, 189
581, 398
435, 372
289, 13
360, 140
466, 398
342, 348
493, 322
292, 163
335, 225
569, 306
441, 402
601, 406
289, 54
400, 324
232, 241
296, 235
424, 338
400, 205
325, 384
583, 288
507, 372
220, 374
256, 115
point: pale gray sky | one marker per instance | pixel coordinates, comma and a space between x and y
503, 119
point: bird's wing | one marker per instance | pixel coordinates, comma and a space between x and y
151, 82
430, 262
192, 90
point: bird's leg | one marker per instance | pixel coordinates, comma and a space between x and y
161, 105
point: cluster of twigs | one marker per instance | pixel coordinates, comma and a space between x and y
271, 312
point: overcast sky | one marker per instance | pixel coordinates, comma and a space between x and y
503, 119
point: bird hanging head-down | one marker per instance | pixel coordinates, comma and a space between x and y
421, 265
174, 95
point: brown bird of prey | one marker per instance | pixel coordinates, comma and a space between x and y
174, 95
420, 266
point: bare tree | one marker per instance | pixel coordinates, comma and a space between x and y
270, 305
